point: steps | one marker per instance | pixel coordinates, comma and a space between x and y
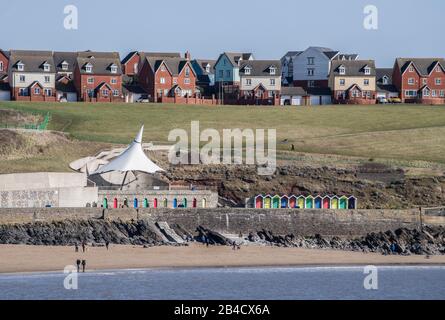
168, 232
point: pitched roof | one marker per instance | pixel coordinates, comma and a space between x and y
347, 56
353, 67
128, 57
69, 57
293, 91
381, 72
236, 57
67, 86
133, 88
5, 53
260, 67
101, 62
33, 60
202, 63
291, 54
423, 65
175, 65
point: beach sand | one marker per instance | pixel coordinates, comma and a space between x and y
22, 258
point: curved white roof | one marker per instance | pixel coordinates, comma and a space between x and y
131, 159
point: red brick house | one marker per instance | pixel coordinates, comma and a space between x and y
166, 76
98, 76
4, 63
420, 80
132, 62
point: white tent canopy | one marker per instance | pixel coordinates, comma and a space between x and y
132, 159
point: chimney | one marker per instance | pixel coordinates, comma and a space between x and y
187, 56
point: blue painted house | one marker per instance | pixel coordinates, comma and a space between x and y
205, 76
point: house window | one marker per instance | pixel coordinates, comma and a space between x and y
36, 90
186, 81
411, 81
342, 82
90, 93
385, 80
342, 70
175, 80
162, 68
23, 92
46, 67
438, 69
310, 61
442, 93
64, 66
272, 82
228, 73
22, 78
115, 93
273, 70
47, 79
105, 93
48, 92
90, 80
411, 93
411, 68
366, 82
310, 72
1, 65
187, 72
367, 70
162, 80
311, 83
248, 82
433, 93
426, 92
135, 67
271, 93
424, 81
247, 70
113, 69
20, 66
438, 81
113, 80
89, 69
207, 68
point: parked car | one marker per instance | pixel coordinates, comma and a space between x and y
143, 99
394, 100
382, 100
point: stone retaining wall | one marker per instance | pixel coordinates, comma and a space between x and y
235, 220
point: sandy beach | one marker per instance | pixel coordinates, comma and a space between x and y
22, 258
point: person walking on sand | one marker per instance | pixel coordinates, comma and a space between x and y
84, 263
83, 246
107, 244
76, 247
234, 245
78, 265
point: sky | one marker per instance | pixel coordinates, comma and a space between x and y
267, 28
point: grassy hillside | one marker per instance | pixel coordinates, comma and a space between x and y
405, 132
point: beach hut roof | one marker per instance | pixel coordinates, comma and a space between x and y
284, 196
131, 159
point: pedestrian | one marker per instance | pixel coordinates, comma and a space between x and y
84, 263
207, 241
234, 245
83, 246
76, 247
107, 244
240, 234
78, 265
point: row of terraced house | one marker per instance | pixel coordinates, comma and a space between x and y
314, 76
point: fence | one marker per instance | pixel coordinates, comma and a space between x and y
29, 126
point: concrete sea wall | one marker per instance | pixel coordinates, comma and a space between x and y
234, 220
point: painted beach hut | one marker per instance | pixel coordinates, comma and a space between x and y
326, 202
309, 202
276, 202
145, 203
343, 203
267, 202
204, 203
165, 203
284, 202
300, 202
175, 203
155, 202
184, 203
194, 203
292, 201
334, 202
352, 202
318, 202
259, 199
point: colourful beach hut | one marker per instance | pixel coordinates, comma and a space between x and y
352, 202
276, 202
284, 202
267, 202
334, 202
135, 203
105, 203
309, 202
300, 202
155, 202
165, 203
259, 199
204, 203
343, 203
175, 203
184, 202
115, 203
145, 203
194, 203
326, 202
292, 201
318, 201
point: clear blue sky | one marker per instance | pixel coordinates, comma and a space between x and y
268, 28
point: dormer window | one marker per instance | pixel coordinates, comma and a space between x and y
411, 68
46, 67
208, 68
247, 70
273, 70
367, 70
113, 68
342, 70
385, 80
20, 66
89, 68
64, 65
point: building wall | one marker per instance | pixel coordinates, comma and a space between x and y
5, 62
321, 66
98, 79
265, 81
42, 180
15, 84
129, 67
350, 81
225, 65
